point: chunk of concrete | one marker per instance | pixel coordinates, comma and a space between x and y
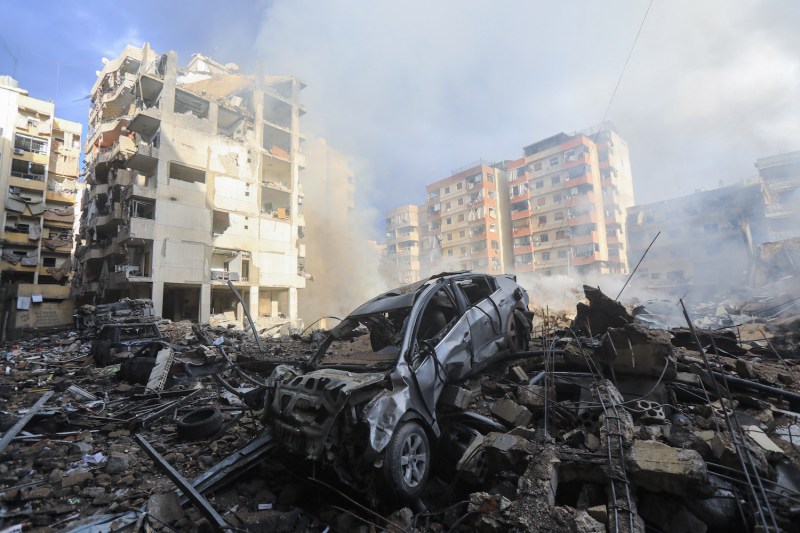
511, 412
634, 349
504, 451
660, 468
457, 397
533, 396
165, 508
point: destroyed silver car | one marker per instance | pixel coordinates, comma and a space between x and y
367, 400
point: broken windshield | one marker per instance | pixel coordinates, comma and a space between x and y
370, 341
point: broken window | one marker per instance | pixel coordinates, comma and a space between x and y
143, 208
188, 103
27, 170
523, 259
25, 143
184, 173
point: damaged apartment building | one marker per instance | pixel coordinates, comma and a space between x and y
569, 195
39, 156
464, 222
714, 238
193, 178
558, 210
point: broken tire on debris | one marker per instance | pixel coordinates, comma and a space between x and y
407, 461
199, 423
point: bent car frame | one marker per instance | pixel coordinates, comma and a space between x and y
366, 402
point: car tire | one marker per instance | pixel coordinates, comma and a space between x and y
407, 462
199, 423
517, 333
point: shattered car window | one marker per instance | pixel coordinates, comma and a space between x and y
370, 341
137, 332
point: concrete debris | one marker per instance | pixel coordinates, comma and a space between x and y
617, 427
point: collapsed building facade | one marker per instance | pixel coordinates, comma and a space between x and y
193, 182
39, 156
719, 238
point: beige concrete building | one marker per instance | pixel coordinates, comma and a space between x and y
780, 182
704, 242
39, 156
401, 262
328, 185
193, 177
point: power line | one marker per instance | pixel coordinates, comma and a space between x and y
627, 59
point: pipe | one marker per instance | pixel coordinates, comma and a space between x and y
789, 395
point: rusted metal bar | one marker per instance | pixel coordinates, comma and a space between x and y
170, 408
182, 483
11, 433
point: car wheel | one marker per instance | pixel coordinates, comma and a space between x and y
199, 423
407, 461
517, 336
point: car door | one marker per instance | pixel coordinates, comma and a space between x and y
447, 358
484, 303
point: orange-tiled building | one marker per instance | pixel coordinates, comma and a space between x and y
465, 227
568, 196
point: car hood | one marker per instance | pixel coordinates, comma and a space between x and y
303, 408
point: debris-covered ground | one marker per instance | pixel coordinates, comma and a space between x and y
615, 420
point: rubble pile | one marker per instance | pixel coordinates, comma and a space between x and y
608, 422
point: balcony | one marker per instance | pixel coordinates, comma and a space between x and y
586, 218
777, 210
116, 99
408, 236
115, 216
586, 259
14, 237
583, 239
521, 232
31, 157
19, 267
59, 219
101, 252
223, 276
65, 196
138, 229
145, 157
34, 182
125, 276
146, 121
519, 215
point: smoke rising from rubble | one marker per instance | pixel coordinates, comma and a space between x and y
338, 253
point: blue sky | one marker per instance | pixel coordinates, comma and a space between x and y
59, 45
414, 89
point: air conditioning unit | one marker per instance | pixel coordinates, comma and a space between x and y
19, 151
